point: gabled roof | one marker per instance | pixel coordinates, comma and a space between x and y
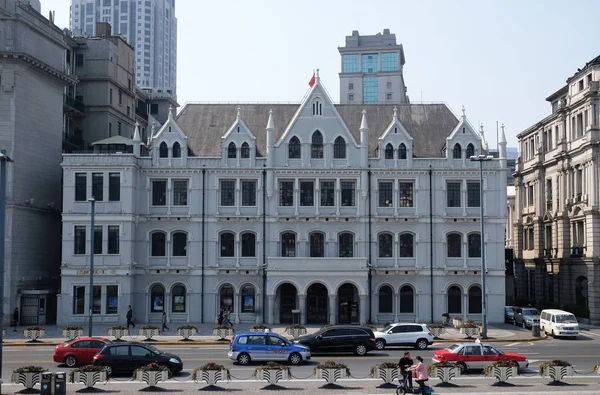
238, 122
171, 122
463, 127
396, 124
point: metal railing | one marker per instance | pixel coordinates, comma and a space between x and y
73, 103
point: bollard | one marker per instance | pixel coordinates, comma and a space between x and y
535, 330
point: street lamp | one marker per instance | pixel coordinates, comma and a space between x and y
481, 159
3, 159
92, 234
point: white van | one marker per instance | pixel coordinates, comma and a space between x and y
559, 323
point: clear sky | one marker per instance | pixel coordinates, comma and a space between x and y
500, 59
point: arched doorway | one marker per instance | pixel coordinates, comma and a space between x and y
287, 294
316, 303
348, 304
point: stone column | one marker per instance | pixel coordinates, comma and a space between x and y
332, 308
270, 306
363, 309
302, 307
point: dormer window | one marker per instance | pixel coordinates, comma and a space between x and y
294, 148
245, 151
457, 151
316, 146
317, 107
470, 150
339, 148
389, 151
163, 150
402, 151
176, 150
231, 151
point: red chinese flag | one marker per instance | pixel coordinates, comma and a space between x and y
311, 83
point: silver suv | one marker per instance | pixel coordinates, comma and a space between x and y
526, 317
415, 335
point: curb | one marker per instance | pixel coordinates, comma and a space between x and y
523, 340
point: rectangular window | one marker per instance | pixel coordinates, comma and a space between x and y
248, 193
327, 193
112, 299
227, 192
350, 64
473, 196
120, 97
98, 186
350, 86
389, 61
180, 193
159, 192
118, 128
97, 300
79, 60
453, 194
80, 187
370, 90
388, 96
98, 240
348, 193
113, 239
153, 108
370, 63
388, 85
78, 300
386, 194
307, 193
406, 194
114, 187
530, 195
110, 94
351, 97
286, 193
79, 241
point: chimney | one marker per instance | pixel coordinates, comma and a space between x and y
103, 29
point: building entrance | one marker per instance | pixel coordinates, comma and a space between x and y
287, 302
316, 303
348, 304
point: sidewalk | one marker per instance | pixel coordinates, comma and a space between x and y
53, 335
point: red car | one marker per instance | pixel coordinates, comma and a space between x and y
80, 351
476, 355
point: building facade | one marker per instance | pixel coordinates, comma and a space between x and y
372, 70
556, 216
149, 26
345, 213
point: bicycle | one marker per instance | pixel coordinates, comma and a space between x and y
403, 388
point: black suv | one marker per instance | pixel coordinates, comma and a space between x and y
338, 338
128, 356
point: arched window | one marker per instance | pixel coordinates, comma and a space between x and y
248, 244
227, 244
176, 150
158, 241
474, 243
248, 299
402, 151
294, 148
339, 148
157, 299
407, 299
470, 151
178, 299
475, 300
389, 151
226, 297
386, 298
179, 244
288, 244
346, 245
317, 245
385, 245
163, 150
454, 300
231, 151
316, 145
457, 151
245, 151
454, 241
406, 245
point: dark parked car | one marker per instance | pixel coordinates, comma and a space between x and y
339, 338
509, 314
126, 357
80, 351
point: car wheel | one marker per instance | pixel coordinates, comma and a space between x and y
109, 370
243, 359
295, 358
552, 334
380, 344
462, 366
421, 344
360, 349
70, 361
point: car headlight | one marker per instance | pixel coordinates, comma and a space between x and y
173, 360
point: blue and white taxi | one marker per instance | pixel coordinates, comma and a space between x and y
264, 346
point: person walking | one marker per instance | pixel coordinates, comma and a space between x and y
15, 318
421, 373
130, 318
405, 363
220, 318
164, 322
226, 318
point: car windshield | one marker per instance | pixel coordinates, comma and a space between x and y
387, 328
453, 347
566, 319
530, 312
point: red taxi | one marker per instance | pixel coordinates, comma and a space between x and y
476, 355
80, 351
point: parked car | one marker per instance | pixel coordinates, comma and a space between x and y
80, 351
476, 356
399, 334
127, 356
509, 314
256, 346
559, 323
339, 338
527, 316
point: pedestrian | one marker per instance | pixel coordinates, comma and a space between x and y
226, 317
15, 319
420, 373
220, 318
164, 322
130, 317
405, 363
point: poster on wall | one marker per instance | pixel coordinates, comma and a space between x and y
158, 303
179, 302
226, 302
248, 304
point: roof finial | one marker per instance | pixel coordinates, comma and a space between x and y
238, 113
318, 79
464, 112
153, 128
363, 122
270, 124
136, 132
481, 128
170, 111
502, 135
395, 112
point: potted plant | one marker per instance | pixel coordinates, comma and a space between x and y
34, 332
28, 375
118, 331
457, 321
211, 372
437, 329
186, 331
502, 370
148, 331
222, 331
445, 318
272, 372
260, 328
445, 371
470, 329
331, 371
89, 375
556, 370
295, 330
387, 371
72, 331
152, 374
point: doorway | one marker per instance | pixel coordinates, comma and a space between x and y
348, 305
316, 303
287, 302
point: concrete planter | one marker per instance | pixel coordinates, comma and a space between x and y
296, 332
437, 332
118, 333
386, 374
557, 373
445, 373
503, 373
211, 377
152, 377
34, 334
89, 379
272, 376
27, 379
149, 333
331, 375
470, 332
72, 333
222, 333
186, 333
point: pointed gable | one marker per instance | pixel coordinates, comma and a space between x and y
239, 131
396, 128
169, 131
463, 138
